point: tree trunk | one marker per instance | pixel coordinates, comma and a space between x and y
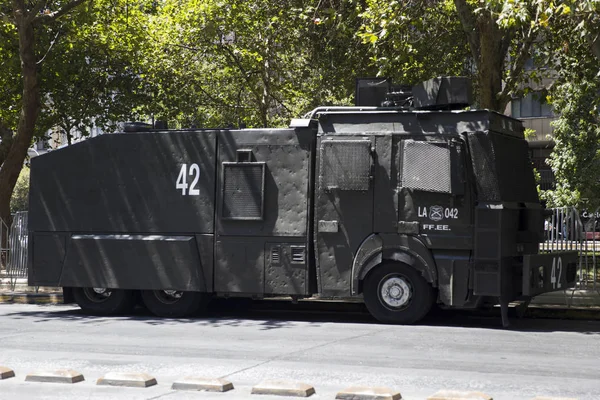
489, 47
6, 136
595, 45
491, 61
10, 169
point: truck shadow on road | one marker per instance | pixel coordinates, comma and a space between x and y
268, 315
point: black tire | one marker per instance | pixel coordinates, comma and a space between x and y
396, 293
174, 304
100, 301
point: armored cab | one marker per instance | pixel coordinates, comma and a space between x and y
399, 205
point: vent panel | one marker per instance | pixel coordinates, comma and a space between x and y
275, 255
298, 255
243, 191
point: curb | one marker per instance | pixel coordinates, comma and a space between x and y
560, 312
57, 376
127, 379
31, 298
283, 388
276, 387
199, 383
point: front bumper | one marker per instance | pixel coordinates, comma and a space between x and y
549, 272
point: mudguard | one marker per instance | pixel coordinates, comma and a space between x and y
407, 249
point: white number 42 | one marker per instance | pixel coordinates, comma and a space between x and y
556, 273
193, 171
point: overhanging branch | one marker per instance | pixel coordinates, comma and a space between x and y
7, 19
595, 45
51, 16
35, 11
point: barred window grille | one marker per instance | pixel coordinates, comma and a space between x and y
426, 166
243, 191
346, 165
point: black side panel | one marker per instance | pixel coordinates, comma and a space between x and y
133, 262
206, 249
240, 265
267, 194
264, 202
502, 167
126, 183
46, 259
257, 265
495, 250
285, 268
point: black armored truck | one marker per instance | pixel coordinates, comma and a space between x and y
404, 205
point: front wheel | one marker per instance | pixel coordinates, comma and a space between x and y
397, 294
104, 301
173, 303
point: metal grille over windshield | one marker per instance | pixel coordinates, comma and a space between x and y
426, 166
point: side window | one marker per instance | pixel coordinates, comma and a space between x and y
432, 166
346, 164
243, 191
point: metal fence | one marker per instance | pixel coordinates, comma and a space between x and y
4, 249
569, 229
17, 243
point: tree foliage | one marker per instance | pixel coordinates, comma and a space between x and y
91, 70
20, 196
424, 38
215, 66
415, 40
212, 63
23, 23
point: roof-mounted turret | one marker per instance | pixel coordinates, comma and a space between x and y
442, 93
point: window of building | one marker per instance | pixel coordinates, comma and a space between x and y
530, 106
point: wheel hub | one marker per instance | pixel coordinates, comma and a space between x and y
174, 293
168, 296
97, 295
395, 292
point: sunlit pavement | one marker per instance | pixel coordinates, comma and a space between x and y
330, 351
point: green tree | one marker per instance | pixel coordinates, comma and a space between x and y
446, 37
66, 64
214, 66
571, 48
568, 45
415, 40
22, 20
20, 196
93, 75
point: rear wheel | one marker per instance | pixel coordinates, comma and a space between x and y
174, 303
103, 301
396, 293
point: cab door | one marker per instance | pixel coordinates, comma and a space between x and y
435, 192
433, 176
344, 208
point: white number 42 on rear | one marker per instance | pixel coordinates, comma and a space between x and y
182, 180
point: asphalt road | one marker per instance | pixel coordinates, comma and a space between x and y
330, 351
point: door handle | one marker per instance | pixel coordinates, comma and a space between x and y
328, 226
